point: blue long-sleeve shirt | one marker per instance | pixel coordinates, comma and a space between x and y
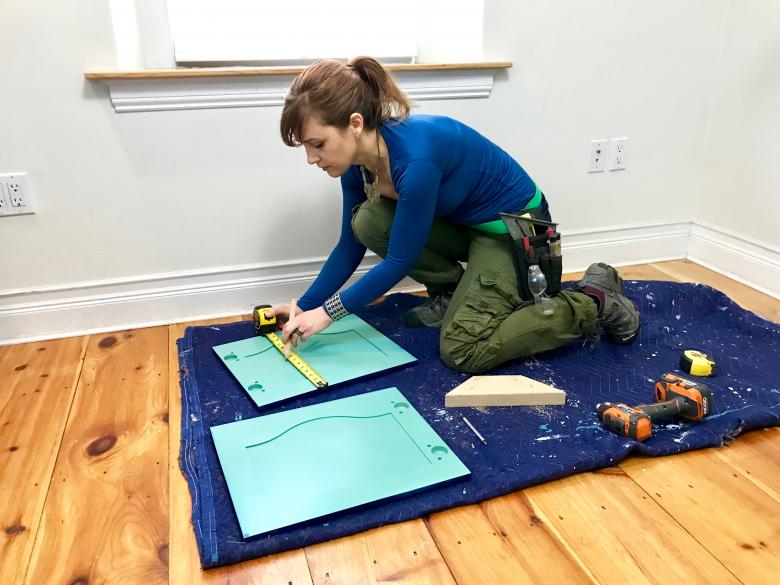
440, 168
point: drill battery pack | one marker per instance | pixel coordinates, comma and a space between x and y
695, 398
625, 420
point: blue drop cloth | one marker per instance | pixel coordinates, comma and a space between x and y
526, 445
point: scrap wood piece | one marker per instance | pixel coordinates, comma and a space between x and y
504, 391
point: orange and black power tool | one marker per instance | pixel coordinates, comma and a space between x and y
694, 399
675, 396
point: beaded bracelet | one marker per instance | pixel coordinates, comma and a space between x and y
334, 307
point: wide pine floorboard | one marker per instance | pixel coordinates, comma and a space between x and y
91, 492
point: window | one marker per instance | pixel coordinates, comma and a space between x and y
204, 33
266, 32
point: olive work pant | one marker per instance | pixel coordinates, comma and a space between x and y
486, 323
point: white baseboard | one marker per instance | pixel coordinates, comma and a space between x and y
96, 307
621, 245
746, 260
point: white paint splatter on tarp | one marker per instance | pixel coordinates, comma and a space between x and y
681, 438
551, 437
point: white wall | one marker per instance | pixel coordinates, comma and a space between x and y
736, 202
602, 69
739, 178
137, 196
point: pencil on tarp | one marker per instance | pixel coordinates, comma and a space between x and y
473, 430
287, 350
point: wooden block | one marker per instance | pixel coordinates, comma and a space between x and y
504, 391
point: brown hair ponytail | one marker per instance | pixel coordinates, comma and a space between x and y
333, 91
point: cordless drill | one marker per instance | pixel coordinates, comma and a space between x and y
674, 395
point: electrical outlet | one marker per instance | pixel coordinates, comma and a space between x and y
4, 203
619, 151
598, 155
15, 194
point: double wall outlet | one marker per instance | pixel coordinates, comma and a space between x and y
607, 155
14, 194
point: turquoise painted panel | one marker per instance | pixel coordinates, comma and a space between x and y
348, 349
293, 466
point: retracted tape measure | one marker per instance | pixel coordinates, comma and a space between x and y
267, 327
696, 363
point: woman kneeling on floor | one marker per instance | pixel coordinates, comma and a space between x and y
424, 192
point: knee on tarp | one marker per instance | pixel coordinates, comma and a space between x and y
463, 343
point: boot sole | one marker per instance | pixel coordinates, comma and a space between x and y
618, 341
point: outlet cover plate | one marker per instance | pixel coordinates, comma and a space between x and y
5, 203
597, 159
617, 160
15, 194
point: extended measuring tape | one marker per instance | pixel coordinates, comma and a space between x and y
267, 327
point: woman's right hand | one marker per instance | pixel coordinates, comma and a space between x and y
282, 314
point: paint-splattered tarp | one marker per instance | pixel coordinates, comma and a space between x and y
526, 445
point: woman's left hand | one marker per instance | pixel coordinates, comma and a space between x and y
303, 326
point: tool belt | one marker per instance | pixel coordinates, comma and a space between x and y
535, 241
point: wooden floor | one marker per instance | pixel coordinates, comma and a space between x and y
91, 493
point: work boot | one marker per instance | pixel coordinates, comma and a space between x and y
617, 315
431, 312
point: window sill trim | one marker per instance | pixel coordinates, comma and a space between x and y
230, 87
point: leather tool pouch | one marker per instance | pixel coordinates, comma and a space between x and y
533, 244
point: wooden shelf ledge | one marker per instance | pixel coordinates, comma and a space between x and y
195, 72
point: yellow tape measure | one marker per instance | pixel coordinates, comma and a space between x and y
696, 363
267, 327
299, 363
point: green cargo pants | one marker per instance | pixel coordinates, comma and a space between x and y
486, 323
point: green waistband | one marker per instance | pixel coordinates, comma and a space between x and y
498, 226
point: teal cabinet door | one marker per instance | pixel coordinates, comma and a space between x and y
293, 466
350, 348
